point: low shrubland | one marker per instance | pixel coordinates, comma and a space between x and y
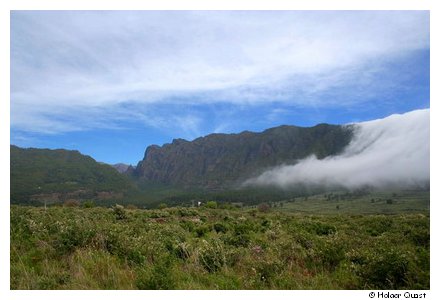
214, 248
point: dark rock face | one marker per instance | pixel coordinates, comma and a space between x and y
222, 160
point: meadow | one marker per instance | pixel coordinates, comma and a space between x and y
219, 248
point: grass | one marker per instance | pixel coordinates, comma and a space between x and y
386, 202
202, 248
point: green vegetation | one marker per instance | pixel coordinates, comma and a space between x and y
86, 247
360, 202
60, 175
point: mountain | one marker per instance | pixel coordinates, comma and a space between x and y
220, 161
60, 175
384, 153
122, 168
387, 153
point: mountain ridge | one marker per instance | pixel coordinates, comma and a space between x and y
222, 160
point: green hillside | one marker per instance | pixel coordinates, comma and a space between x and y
61, 175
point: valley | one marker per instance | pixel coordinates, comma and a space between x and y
322, 207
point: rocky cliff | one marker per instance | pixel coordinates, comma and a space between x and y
224, 160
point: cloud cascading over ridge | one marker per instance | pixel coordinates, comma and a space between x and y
393, 151
69, 69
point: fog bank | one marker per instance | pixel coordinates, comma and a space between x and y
384, 152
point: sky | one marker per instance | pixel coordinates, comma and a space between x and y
110, 83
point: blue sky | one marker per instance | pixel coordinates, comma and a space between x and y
111, 83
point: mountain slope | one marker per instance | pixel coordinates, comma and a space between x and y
224, 160
61, 175
384, 153
121, 168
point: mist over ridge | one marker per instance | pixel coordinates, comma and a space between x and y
393, 151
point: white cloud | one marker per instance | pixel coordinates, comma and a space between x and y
66, 62
390, 151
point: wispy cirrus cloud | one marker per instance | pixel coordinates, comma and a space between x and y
76, 70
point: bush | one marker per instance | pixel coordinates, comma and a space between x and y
267, 270
386, 269
187, 225
211, 204
331, 254
202, 230
238, 240
324, 229
119, 212
156, 277
220, 227
378, 225
182, 251
187, 212
73, 237
263, 207
266, 224
212, 255
88, 204
162, 206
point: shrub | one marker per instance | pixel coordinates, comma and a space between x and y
202, 230
132, 206
211, 204
162, 206
134, 256
219, 227
88, 204
187, 212
73, 237
182, 251
386, 269
324, 229
267, 270
243, 227
187, 225
378, 225
119, 212
263, 207
156, 277
419, 236
331, 253
238, 240
212, 255
266, 224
